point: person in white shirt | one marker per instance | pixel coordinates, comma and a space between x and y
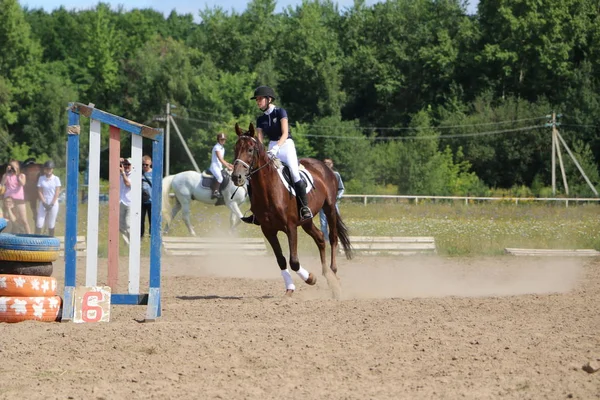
125, 199
48, 191
216, 165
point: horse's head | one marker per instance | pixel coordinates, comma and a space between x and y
249, 155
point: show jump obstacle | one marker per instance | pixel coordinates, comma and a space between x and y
138, 132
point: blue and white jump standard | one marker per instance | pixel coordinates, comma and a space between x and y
138, 132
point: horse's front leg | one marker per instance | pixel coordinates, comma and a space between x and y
235, 217
281, 261
306, 276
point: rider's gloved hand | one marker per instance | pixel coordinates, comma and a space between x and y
273, 151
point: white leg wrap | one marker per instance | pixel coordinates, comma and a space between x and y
302, 273
287, 278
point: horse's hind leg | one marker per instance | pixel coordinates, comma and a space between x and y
174, 212
185, 213
329, 274
306, 276
331, 214
281, 261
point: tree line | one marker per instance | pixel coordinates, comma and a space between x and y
407, 96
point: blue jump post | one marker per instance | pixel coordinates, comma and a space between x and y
137, 132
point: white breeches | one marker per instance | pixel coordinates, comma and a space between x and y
216, 171
287, 155
48, 216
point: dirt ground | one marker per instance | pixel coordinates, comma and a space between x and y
406, 328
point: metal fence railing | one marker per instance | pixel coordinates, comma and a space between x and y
365, 198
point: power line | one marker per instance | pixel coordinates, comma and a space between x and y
474, 134
384, 128
432, 137
418, 128
580, 126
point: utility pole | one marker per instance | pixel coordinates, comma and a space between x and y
169, 120
556, 150
168, 141
557, 139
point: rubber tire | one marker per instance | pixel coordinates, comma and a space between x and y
26, 268
3, 224
28, 256
18, 309
28, 242
27, 286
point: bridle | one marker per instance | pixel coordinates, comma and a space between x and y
250, 168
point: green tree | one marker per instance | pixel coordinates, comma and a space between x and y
310, 59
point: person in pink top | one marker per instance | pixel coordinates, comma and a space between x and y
14, 198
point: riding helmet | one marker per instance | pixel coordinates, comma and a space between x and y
263, 91
221, 136
49, 164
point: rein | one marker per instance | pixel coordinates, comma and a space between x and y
249, 167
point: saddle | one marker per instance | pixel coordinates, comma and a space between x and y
208, 178
284, 173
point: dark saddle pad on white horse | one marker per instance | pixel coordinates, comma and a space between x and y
208, 178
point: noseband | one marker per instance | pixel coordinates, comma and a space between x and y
250, 168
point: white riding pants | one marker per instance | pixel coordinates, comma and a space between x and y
48, 216
216, 171
287, 155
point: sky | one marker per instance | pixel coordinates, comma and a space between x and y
181, 6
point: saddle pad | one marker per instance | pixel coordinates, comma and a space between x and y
304, 174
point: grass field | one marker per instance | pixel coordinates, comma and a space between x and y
459, 229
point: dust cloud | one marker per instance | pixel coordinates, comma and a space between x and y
405, 276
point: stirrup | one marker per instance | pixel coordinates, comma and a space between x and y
305, 213
250, 220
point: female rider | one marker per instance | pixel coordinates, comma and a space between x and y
274, 124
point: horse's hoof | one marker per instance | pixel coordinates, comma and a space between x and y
289, 292
311, 279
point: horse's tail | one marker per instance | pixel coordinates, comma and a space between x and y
342, 232
166, 188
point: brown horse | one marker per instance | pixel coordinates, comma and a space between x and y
32, 173
276, 208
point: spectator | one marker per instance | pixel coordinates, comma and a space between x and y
48, 191
14, 198
146, 193
125, 199
340, 192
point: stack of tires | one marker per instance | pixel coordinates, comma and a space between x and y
27, 289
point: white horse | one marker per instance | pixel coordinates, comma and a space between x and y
191, 185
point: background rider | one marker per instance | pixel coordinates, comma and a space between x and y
216, 164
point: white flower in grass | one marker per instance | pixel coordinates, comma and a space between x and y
3, 303
20, 306
3, 282
19, 281
45, 286
53, 302
35, 284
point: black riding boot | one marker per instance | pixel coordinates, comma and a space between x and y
216, 193
38, 231
250, 219
51, 231
305, 212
